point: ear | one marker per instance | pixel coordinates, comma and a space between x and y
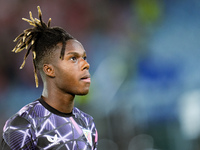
49, 70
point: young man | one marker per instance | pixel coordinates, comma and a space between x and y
52, 121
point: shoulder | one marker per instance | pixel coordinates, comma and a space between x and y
86, 118
23, 117
19, 130
77, 112
88, 125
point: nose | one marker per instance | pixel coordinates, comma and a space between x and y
85, 65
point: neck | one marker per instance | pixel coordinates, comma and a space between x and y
62, 102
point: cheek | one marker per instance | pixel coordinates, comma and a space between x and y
68, 80
66, 83
67, 77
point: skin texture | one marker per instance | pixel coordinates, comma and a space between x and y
63, 79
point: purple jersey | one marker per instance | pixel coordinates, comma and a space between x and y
40, 126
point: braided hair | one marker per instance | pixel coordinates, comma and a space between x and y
41, 40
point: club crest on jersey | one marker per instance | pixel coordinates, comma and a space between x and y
88, 135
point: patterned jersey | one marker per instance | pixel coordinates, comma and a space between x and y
40, 126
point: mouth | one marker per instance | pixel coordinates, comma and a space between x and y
86, 78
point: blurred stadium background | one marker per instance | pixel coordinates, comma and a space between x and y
144, 57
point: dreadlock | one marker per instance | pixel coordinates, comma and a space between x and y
41, 40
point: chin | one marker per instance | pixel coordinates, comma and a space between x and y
83, 93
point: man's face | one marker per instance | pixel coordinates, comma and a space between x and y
72, 73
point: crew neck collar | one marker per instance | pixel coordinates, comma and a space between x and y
53, 110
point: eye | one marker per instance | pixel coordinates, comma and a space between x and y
73, 59
85, 58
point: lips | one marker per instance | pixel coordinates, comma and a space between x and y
86, 78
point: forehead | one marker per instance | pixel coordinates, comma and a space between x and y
74, 46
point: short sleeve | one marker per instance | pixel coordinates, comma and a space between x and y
18, 134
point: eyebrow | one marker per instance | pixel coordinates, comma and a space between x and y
75, 53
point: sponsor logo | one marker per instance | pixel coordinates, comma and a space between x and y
53, 139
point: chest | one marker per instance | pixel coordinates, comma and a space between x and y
63, 133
